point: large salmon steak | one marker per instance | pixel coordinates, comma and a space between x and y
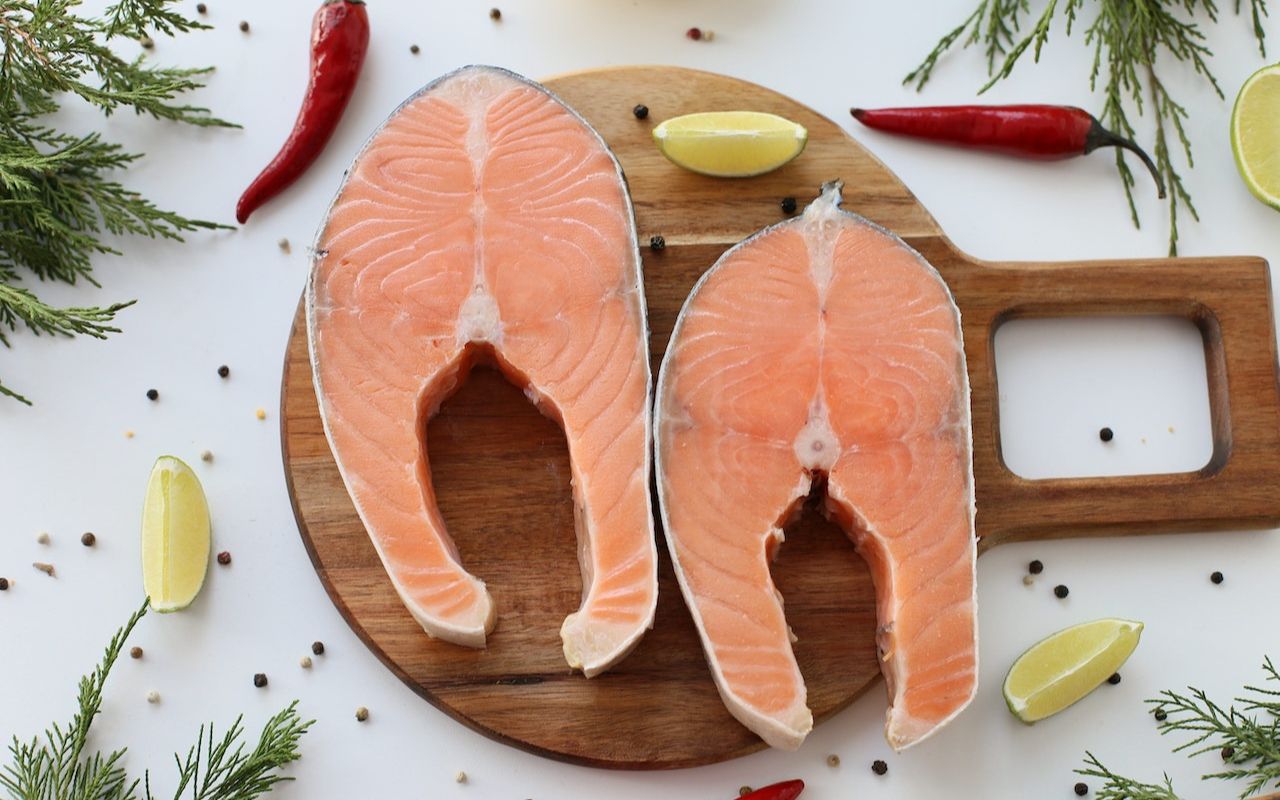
486, 221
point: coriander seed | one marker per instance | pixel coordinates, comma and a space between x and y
833, 760
88, 539
362, 714
135, 652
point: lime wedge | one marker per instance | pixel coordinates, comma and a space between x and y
1255, 134
730, 144
1059, 670
175, 536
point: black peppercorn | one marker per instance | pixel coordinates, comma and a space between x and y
1106, 434
495, 14
413, 48
1061, 591
88, 539
260, 679
641, 111
244, 27
1035, 567
224, 371
152, 394
317, 648
1114, 679
147, 42
1081, 789
4, 584
201, 8
1216, 577
657, 243
1228, 753
1161, 715
879, 767
788, 205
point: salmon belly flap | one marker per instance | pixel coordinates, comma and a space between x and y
486, 220
822, 347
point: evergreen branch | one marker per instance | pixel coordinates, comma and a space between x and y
56, 767
1127, 39
1116, 787
58, 197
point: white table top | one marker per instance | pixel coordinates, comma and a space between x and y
229, 297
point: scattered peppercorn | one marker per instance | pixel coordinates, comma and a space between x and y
1228, 753
153, 697
260, 413
317, 648
1035, 567
1161, 715
708, 35
43, 538
657, 243
1082, 789
362, 714
1114, 679
1028, 580
1061, 591
413, 48
641, 111
47, 569
694, 33
224, 371
201, 8
879, 767
128, 434
461, 777
244, 26
260, 679
224, 558
135, 652
495, 14
1106, 434
207, 456
1216, 577
788, 205
283, 244
4, 584
833, 760
152, 394
743, 791
147, 42
88, 539
305, 662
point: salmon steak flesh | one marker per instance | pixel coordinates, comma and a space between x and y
485, 221
822, 349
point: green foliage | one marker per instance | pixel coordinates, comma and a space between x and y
1247, 739
57, 196
1130, 39
55, 766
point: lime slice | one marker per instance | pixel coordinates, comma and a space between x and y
175, 536
730, 144
1059, 670
1255, 134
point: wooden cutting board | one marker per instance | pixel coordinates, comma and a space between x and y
501, 471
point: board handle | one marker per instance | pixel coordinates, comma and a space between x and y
1229, 300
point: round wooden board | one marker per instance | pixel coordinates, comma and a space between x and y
501, 473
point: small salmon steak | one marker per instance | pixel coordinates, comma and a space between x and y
486, 221
822, 347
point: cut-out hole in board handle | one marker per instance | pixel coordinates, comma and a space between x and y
1063, 379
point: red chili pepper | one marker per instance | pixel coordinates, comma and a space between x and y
787, 790
1030, 131
339, 39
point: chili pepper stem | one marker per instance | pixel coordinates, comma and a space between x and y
1099, 136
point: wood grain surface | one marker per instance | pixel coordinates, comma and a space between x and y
501, 470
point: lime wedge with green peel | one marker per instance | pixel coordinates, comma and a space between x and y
730, 144
1059, 670
175, 536
1255, 134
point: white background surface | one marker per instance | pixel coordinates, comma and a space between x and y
228, 297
